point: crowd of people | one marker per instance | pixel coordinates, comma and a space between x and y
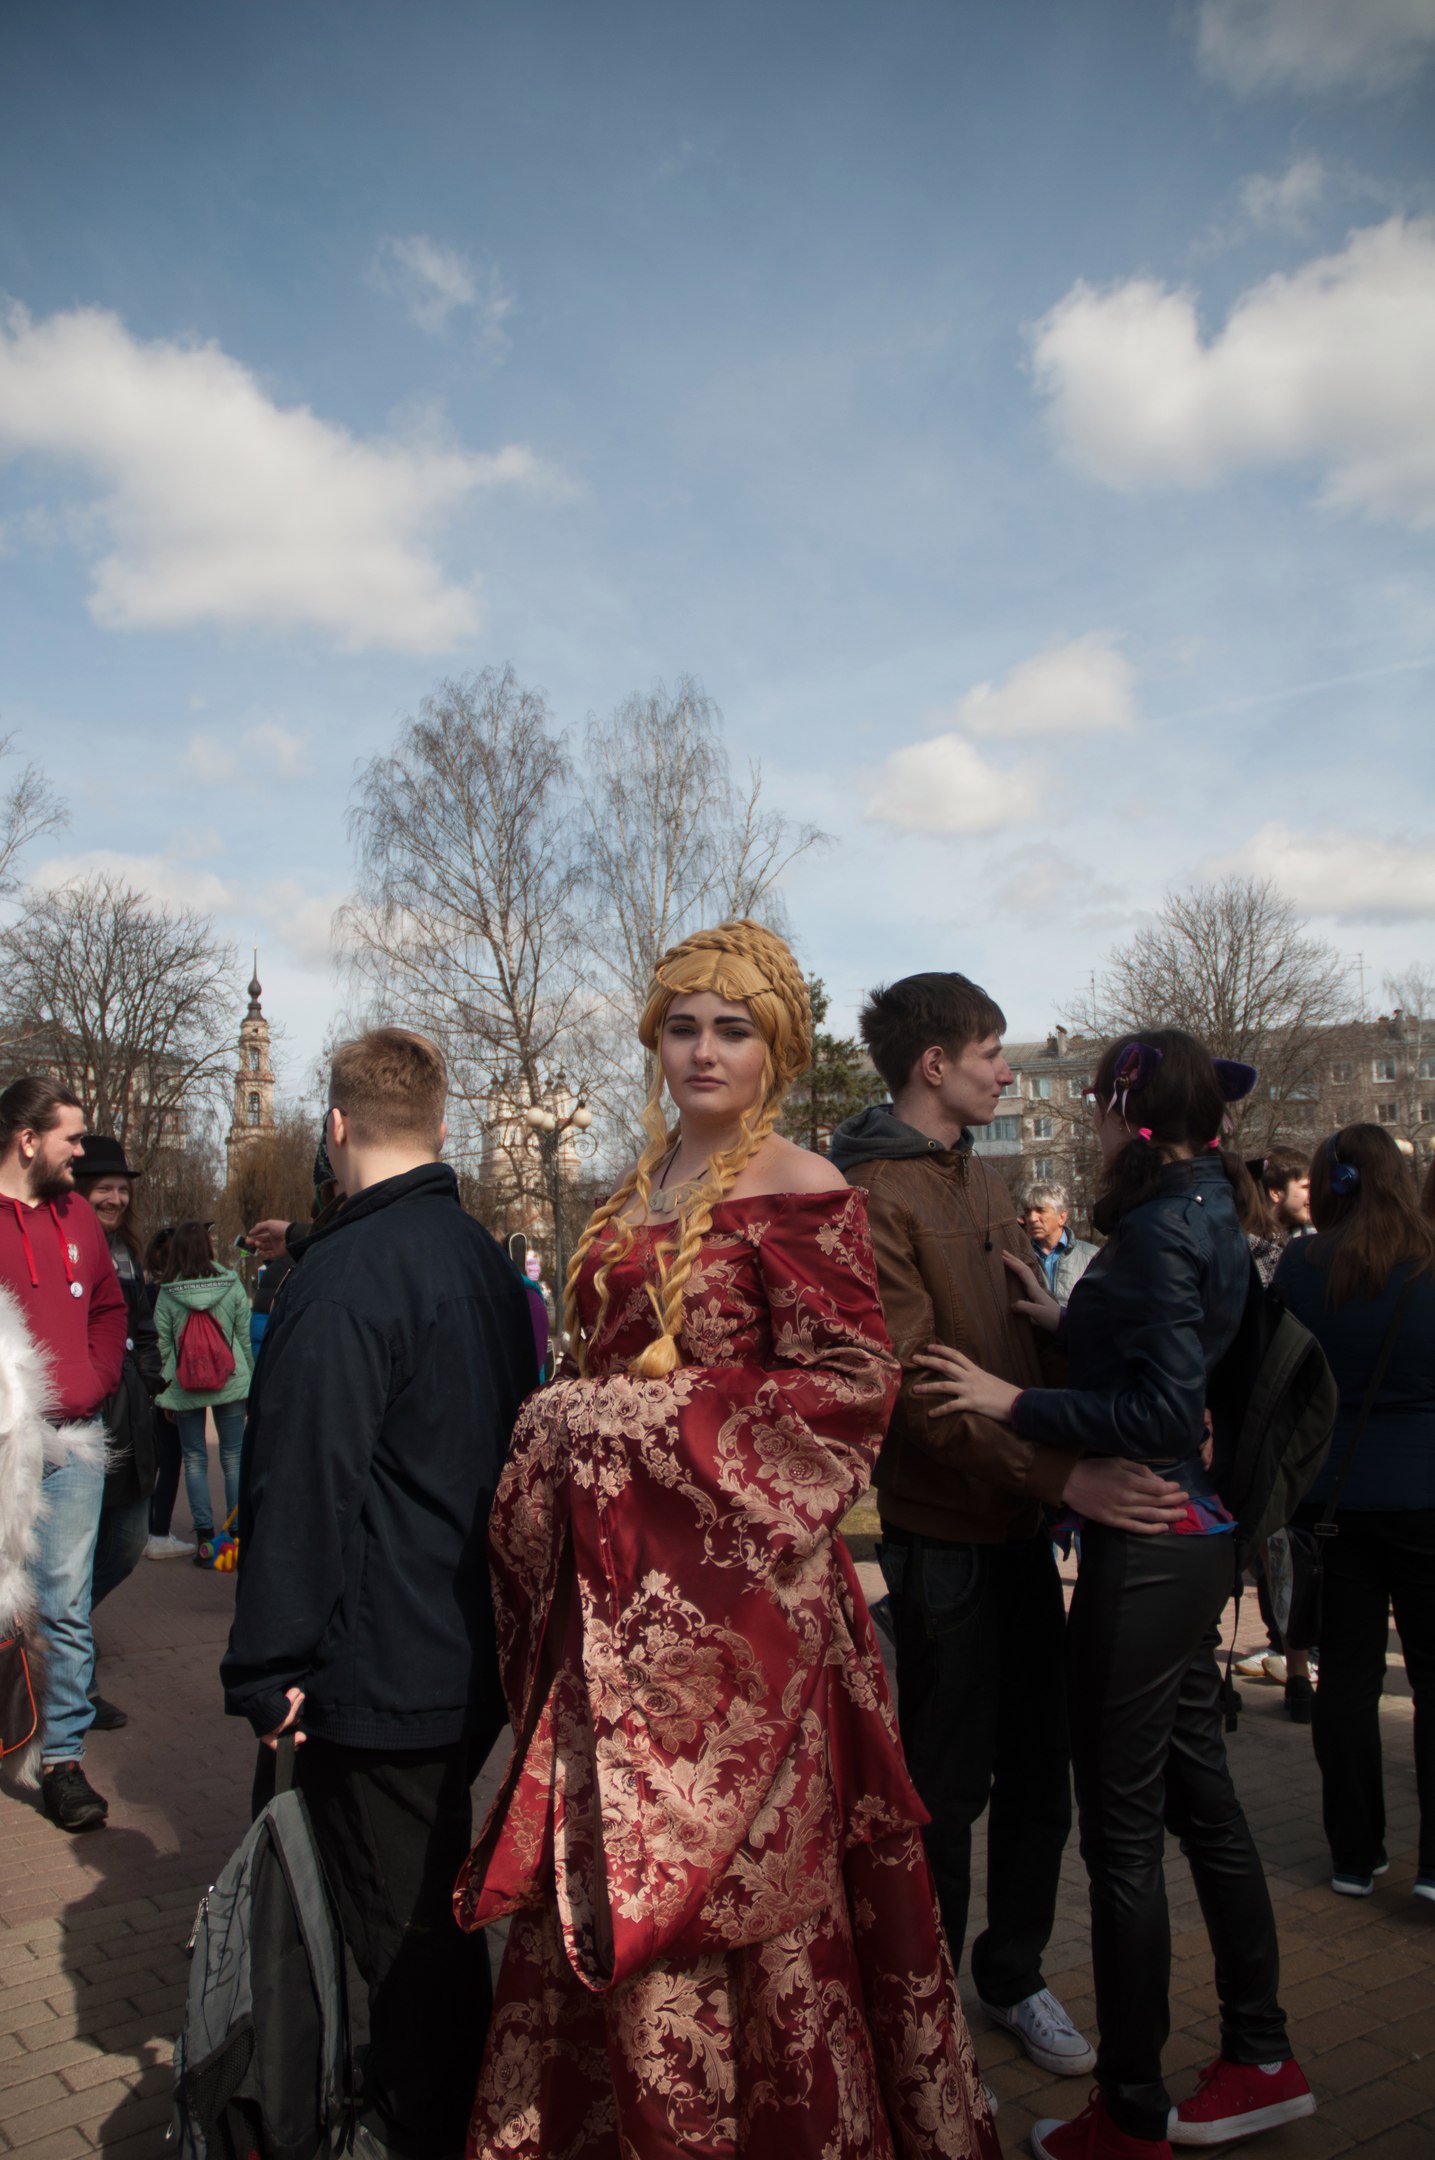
736, 1876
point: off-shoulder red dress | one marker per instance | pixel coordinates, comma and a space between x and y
723, 1936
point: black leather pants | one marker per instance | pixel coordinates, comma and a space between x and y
1149, 1755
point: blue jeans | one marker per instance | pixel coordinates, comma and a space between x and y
64, 1568
229, 1424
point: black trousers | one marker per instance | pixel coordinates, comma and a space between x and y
1149, 1755
1377, 1560
393, 1830
981, 1703
166, 1485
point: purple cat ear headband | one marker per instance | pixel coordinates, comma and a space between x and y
1134, 1067
1138, 1061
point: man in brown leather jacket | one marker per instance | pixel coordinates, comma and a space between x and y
975, 1599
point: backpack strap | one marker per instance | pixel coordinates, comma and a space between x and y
284, 1763
1327, 1526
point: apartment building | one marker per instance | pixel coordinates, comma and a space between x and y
1380, 1071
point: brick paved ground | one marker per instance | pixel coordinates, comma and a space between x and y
92, 1971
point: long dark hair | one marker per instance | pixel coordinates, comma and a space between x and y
1178, 1104
190, 1254
127, 1231
1372, 1225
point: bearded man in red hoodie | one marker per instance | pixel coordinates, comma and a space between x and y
56, 1264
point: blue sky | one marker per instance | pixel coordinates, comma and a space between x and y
1019, 418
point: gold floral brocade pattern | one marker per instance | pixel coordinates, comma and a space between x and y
723, 1937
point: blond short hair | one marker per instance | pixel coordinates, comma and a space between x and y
390, 1085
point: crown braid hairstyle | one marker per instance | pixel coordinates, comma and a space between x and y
747, 965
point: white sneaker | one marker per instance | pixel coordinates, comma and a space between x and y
1252, 1667
168, 1548
1047, 2034
1273, 1665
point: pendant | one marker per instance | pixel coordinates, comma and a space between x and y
668, 1199
77, 1289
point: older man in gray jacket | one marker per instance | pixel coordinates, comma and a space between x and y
1064, 1259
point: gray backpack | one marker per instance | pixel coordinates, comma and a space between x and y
262, 2069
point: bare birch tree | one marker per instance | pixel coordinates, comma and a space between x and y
126, 1002
670, 842
1232, 963
29, 811
464, 923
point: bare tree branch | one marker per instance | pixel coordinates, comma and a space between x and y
669, 843
30, 810
464, 927
1231, 962
128, 1003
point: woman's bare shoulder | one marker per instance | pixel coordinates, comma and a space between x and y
781, 1167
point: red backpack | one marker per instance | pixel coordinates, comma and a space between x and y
206, 1359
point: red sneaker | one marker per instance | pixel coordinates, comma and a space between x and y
1235, 2100
1092, 2135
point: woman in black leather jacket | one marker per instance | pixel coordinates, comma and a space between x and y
1145, 1328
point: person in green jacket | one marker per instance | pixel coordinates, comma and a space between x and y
193, 1282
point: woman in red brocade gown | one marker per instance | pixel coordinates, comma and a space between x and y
723, 1936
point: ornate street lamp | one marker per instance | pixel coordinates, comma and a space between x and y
550, 1128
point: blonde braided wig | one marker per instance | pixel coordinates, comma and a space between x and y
744, 964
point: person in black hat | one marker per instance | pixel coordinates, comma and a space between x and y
107, 1181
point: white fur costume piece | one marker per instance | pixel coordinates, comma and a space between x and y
28, 1442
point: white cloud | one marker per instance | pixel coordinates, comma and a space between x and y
220, 507
1314, 44
1352, 876
1330, 364
1083, 688
171, 881
434, 282
945, 785
1282, 201
255, 757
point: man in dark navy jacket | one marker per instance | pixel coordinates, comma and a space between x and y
389, 1382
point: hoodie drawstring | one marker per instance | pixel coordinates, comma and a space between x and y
29, 1255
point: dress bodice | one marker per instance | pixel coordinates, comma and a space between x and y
727, 1316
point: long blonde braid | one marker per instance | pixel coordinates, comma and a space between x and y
746, 964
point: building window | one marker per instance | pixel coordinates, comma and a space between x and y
1343, 1069
1382, 1068
1043, 1170
1387, 1113
1042, 1128
1427, 1068
1305, 1089
253, 1060
1427, 1113
1077, 1088
1004, 1128
1041, 1088
254, 1109
1013, 1086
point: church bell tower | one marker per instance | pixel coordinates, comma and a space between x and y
254, 1081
